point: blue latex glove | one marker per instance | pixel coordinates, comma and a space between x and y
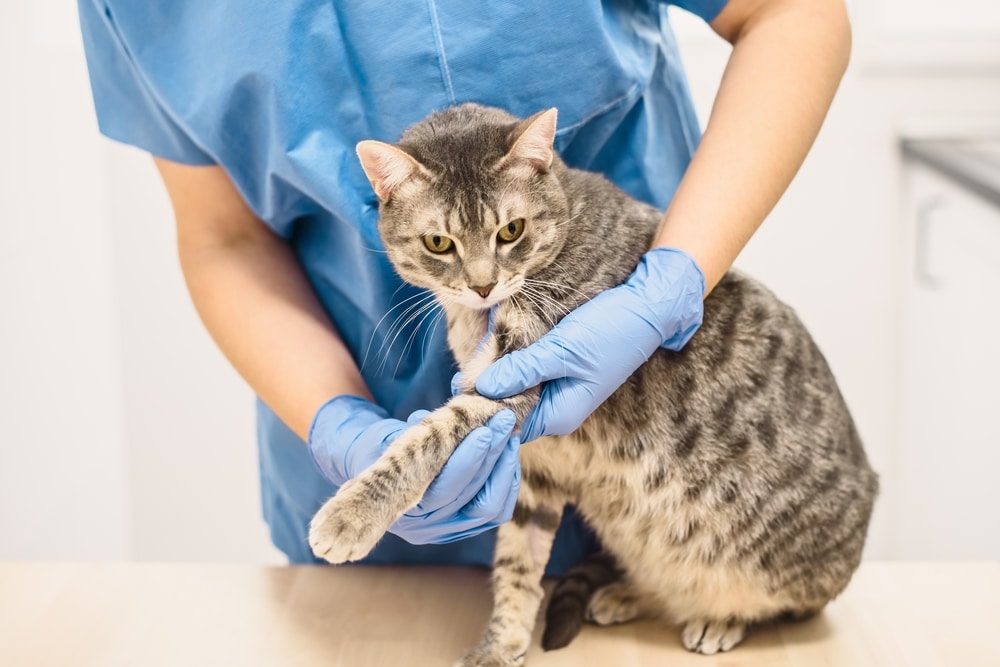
475, 492
597, 346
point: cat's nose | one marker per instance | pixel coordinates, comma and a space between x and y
483, 291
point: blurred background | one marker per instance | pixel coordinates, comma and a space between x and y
125, 435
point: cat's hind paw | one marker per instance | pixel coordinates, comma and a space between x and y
613, 604
347, 527
710, 637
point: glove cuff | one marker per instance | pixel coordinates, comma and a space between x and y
334, 430
673, 286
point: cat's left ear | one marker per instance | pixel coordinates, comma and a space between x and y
535, 139
386, 166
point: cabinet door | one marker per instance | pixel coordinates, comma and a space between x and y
946, 484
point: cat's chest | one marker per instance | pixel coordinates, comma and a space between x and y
466, 329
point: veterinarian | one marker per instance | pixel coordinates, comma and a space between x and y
251, 111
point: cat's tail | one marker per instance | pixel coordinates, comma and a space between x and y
567, 608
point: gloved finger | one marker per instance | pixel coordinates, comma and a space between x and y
533, 426
372, 443
416, 417
483, 514
457, 473
456, 384
491, 502
469, 466
543, 360
564, 404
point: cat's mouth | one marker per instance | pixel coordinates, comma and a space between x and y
471, 299
484, 299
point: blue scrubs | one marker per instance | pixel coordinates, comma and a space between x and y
279, 93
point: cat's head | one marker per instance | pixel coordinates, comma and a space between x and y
470, 202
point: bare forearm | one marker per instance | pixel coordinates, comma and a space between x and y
261, 312
787, 61
254, 298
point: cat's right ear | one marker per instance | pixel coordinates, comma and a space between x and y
535, 139
386, 166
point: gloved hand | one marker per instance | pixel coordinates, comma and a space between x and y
597, 346
475, 492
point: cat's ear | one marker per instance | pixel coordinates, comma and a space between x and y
386, 166
535, 138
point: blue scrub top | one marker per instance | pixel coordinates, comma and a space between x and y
279, 93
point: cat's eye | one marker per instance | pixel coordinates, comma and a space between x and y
437, 243
511, 231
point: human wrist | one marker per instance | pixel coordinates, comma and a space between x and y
335, 430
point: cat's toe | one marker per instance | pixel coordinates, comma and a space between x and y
611, 604
344, 530
710, 637
490, 656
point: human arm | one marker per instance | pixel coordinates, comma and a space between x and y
255, 301
787, 61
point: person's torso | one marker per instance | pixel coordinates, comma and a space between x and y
280, 93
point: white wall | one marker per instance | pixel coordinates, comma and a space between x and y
63, 469
123, 432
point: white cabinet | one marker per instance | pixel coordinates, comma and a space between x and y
944, 488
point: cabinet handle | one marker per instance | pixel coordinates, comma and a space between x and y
925, 212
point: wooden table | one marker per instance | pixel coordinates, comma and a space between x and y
106, 615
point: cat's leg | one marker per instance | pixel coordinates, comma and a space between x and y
349, 525
573, 596
523, 547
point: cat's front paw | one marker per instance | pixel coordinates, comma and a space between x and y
710, 637
347, 527
491, 655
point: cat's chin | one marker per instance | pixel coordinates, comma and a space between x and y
482, 305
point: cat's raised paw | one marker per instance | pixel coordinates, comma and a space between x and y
345, 528
710, 637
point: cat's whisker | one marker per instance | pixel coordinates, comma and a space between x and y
557, 286
430, 312
567, 220
408, 310
429, 334
424, 307
564, 311
551, 308
371, 340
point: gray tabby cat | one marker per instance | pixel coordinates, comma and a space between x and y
727, 482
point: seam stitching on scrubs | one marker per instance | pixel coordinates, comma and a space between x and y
445, 72
587, 119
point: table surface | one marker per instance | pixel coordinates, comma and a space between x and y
110, 614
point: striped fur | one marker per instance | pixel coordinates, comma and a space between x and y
726, 482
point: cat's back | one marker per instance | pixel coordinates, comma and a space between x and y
742, 451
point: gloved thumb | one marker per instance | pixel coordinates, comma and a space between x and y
417, 417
